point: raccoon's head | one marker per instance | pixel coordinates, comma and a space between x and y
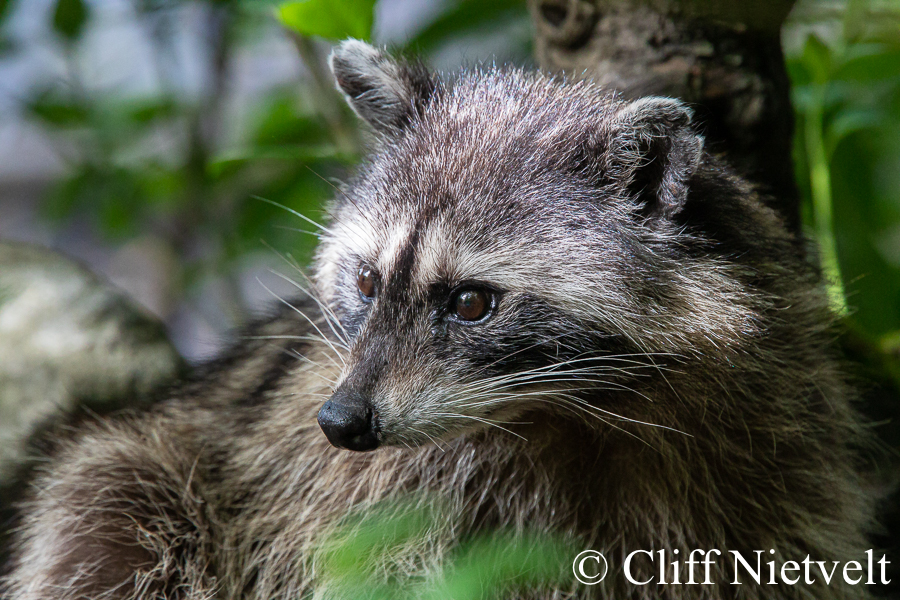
513, 243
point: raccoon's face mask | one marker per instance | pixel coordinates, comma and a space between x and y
490, 258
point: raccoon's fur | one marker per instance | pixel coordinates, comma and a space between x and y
550, 309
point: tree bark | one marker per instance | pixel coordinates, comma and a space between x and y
724, 58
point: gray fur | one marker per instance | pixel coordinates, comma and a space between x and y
658, 372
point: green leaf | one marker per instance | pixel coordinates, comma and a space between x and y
69, 18
850, 121
875, 67
817, 59
4, 8
359, 557
110, 198
862, 207
282, 123
503, 562
797, 72
58, 113
228, 162
152, 109
333, 19
890, 343
465, 15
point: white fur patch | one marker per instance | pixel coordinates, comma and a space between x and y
392, 247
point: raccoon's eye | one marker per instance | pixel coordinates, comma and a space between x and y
366, 283
471, 305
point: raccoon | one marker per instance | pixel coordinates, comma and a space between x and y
545, 306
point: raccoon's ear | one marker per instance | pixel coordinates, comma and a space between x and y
657, 151
385, 92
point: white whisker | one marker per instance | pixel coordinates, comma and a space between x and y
310, 321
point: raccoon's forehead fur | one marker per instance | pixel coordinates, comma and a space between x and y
532, 185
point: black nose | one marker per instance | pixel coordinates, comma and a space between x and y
348, 425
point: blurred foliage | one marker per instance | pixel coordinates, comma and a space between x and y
367, 557
69, 18
844, 63
174, 165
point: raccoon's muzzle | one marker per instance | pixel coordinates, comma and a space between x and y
347, 421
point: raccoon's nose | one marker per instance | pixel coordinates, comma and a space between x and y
346, 421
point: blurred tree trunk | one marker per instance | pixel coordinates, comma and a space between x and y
723, 57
